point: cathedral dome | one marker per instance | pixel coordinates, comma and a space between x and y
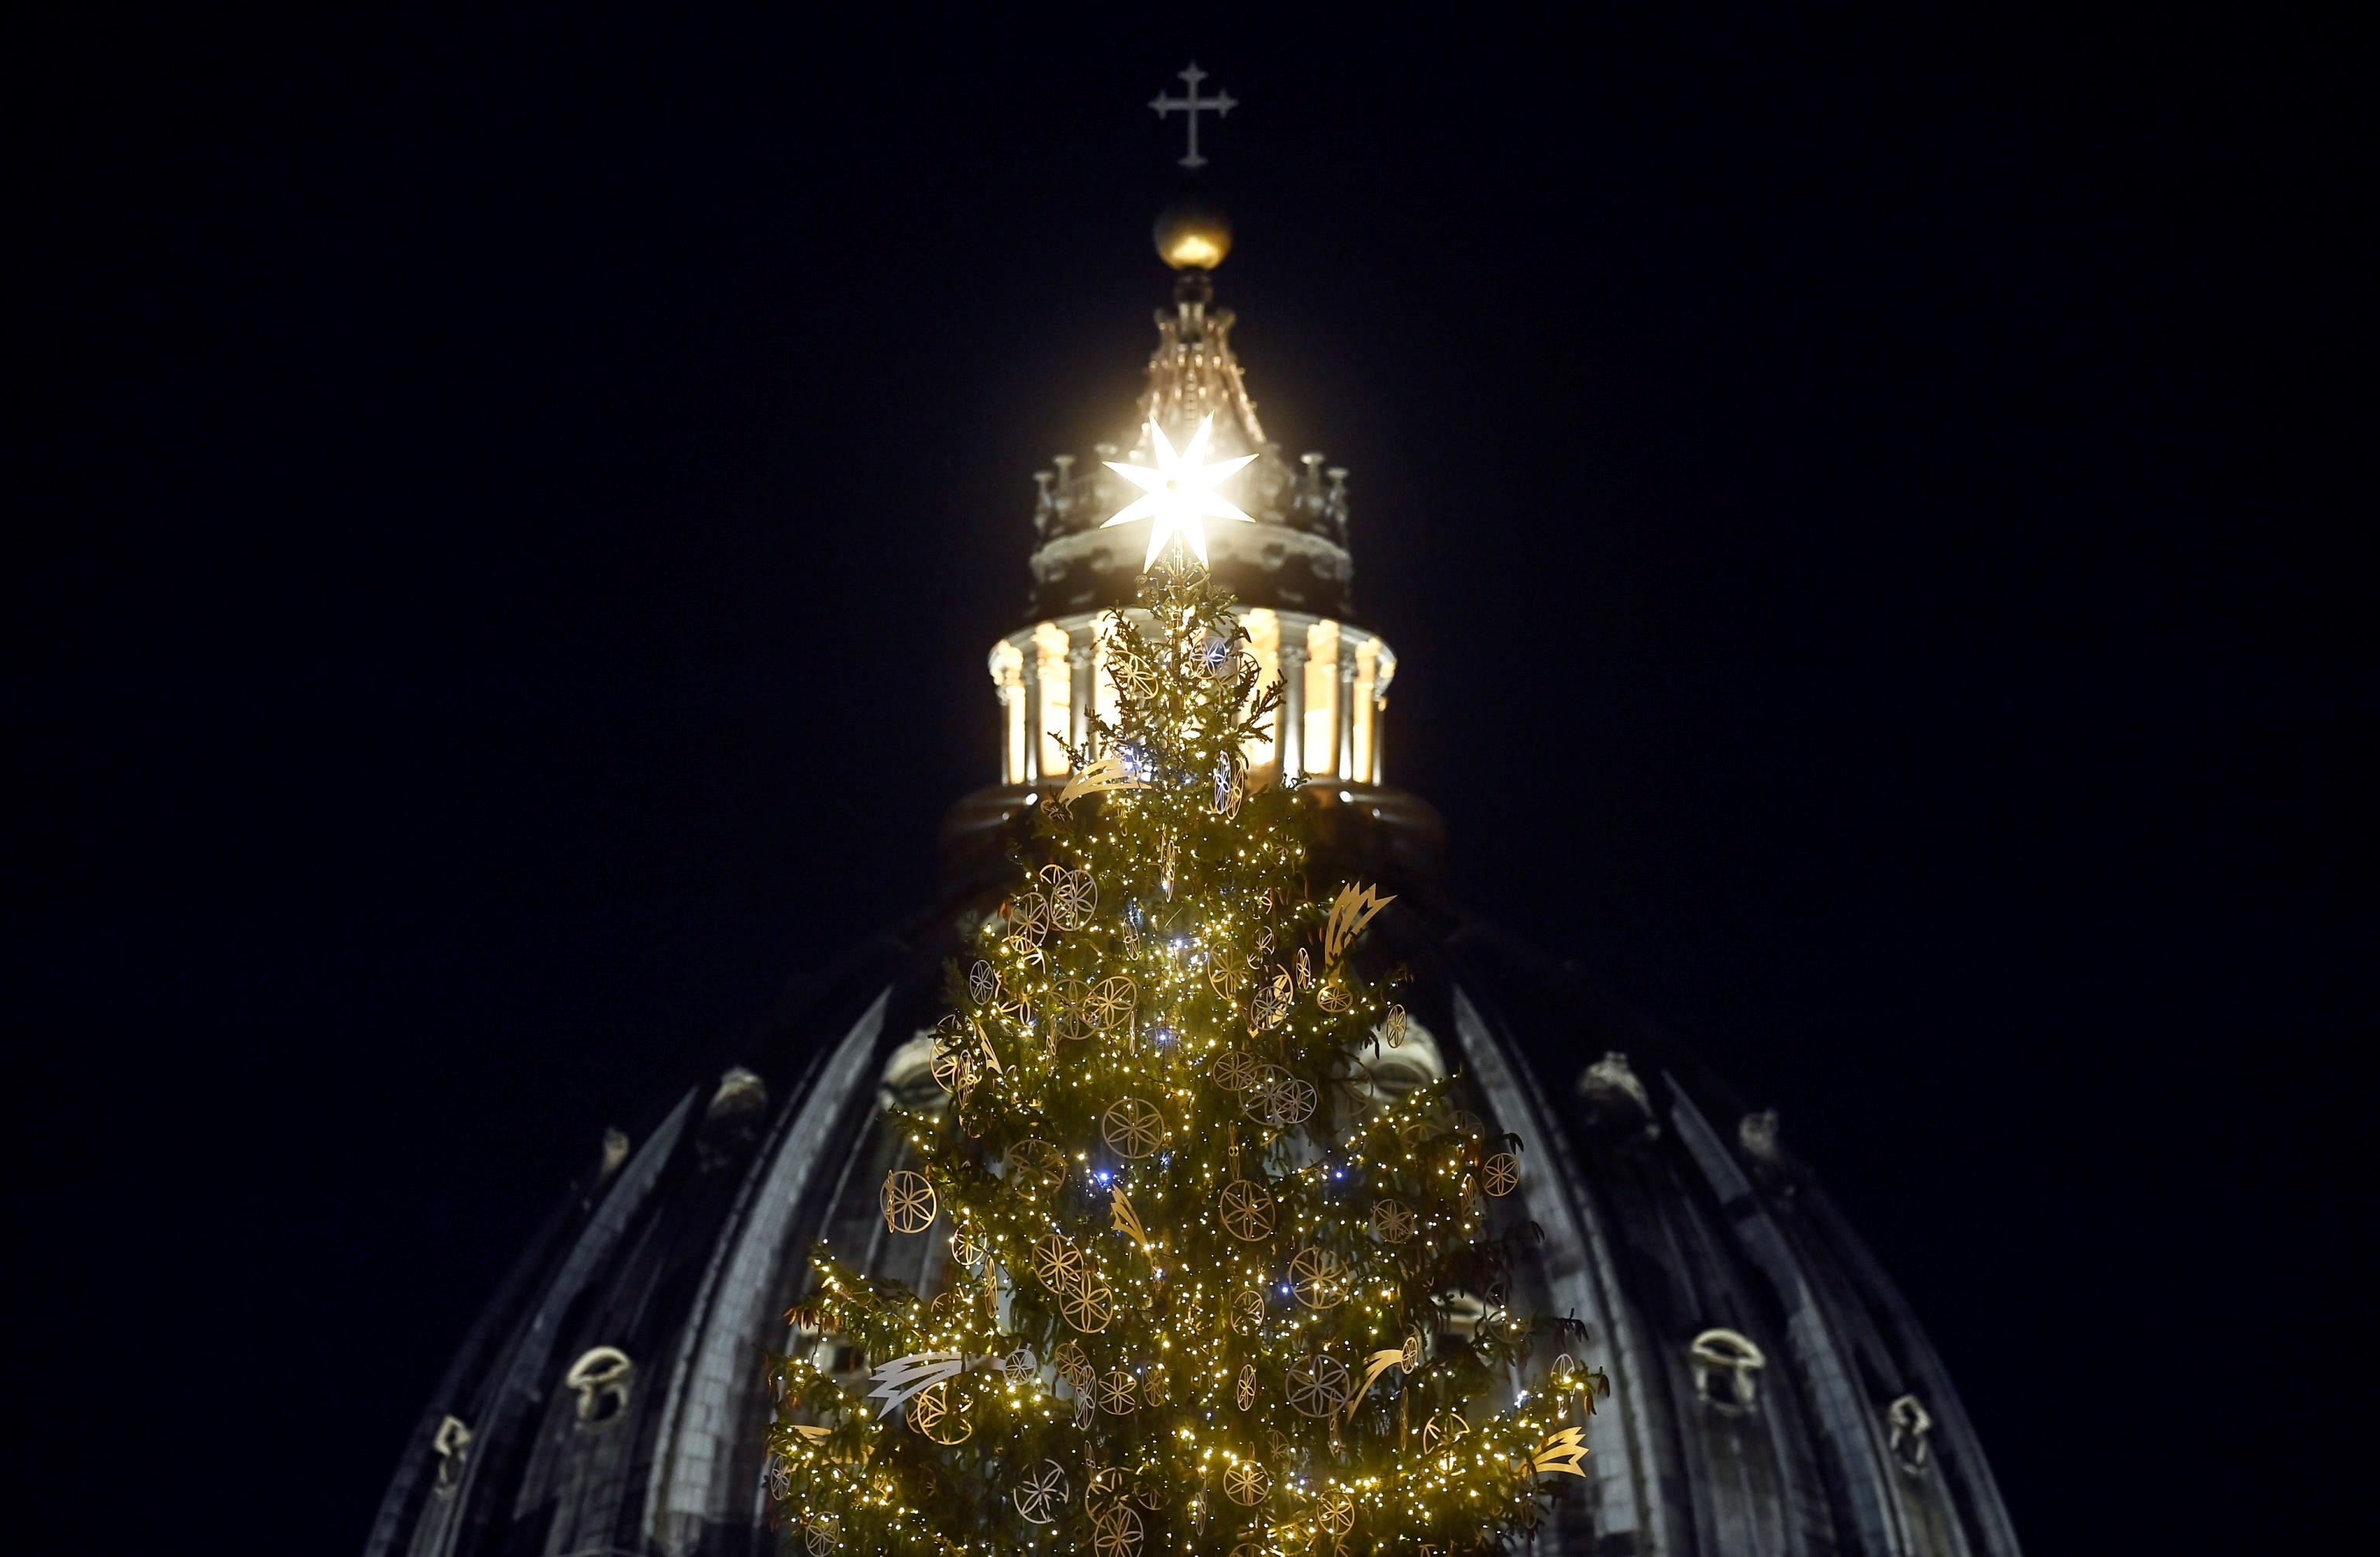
1771, 1391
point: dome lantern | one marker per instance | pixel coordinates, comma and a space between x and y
1291, 571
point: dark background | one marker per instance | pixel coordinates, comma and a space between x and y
507, 515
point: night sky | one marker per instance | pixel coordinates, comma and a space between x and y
507, 515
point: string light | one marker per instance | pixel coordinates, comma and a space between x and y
1162, 1002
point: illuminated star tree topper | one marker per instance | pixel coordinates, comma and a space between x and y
1179, 494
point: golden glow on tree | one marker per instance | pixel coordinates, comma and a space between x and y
1179, 493
1193, 1279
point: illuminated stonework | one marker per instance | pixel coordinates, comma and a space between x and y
1293, 558
1290, 569
1335, 677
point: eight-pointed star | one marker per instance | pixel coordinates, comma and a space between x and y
1179, 494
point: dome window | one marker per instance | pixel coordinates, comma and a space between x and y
1910, 1423
1725, 1364
452, 1446
602, 1377
909, 1079
1416, 1062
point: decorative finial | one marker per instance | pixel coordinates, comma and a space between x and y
1192, 235
1192, 106
1180, 492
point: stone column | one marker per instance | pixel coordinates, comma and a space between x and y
1032, 709
1081, 693
1343, 758
1292, 701
1005, 695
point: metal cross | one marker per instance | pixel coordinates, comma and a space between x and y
1191, 104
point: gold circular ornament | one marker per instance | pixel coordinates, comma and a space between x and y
1333, 997
1073, 1365
1247, 1483
1068, 1018
1247, 1310
1074, 896
1028, 923
909, 1201
1467, 1122
1317, 1278
1035, 1168
1304, 969
1228, 978
1087, 1305
969, 1251
1270, 1005
1132, 1128
952, 1306
1319, 1386
1231, 786
1564, 1366
1471, 1200
1110, 1004
983, 982
819, 1534
1280, 1101
1443, 1430
1410, 1358
1396, 1024
1134, 677
1247, 1210
1116, 1531
933, 1417
953, 1068
1246, 1393
1500, 1175
1393, 1219
1335, 1514
1058, 1262
1043, 1493
1413, 1132
1115, 1393
1236, 1070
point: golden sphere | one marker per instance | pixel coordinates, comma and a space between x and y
1193, 235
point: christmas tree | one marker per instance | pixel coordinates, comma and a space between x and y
1209, 1289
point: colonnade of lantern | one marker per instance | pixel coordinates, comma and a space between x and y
1051, 678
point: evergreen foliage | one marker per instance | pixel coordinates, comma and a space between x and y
1207, 1286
